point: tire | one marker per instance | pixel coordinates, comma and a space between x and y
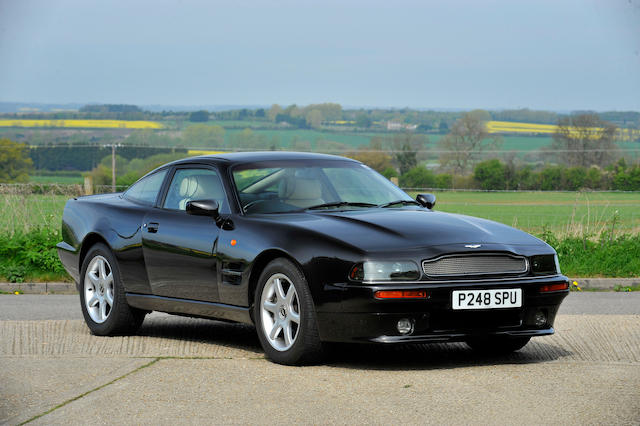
497, 345
285, 315
102, 296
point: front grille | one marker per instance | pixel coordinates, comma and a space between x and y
481, 264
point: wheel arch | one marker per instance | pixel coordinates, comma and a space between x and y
89, 241
261, 261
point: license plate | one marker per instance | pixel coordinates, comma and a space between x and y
487, 299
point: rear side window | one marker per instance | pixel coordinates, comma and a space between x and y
146, 190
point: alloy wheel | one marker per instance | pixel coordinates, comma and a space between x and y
280, 312
98, 289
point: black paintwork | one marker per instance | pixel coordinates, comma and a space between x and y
183, 263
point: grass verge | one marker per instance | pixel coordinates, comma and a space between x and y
30, 256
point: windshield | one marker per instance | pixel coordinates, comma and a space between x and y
295, 186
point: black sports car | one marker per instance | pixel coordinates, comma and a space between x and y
311, 249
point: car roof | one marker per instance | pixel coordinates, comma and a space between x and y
251, 157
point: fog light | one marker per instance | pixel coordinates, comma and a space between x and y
540, 319
405, 326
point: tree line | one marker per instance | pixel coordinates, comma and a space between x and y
495, 175
327, 114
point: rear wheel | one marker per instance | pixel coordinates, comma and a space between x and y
102, 296
497, 345
285, 315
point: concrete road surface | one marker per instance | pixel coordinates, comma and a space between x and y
180, 370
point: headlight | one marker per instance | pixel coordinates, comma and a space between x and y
545, 265
385, 271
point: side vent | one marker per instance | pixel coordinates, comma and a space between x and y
231, 273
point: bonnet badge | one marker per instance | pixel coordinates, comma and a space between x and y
473, 245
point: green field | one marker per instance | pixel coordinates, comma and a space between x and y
62, 180
564, 213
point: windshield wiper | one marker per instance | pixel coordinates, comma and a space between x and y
403, 202
339, 204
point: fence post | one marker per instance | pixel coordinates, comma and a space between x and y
113, 168
88, 185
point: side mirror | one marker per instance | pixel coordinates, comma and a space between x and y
427, 200
203, 208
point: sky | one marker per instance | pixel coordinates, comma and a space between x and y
557, 55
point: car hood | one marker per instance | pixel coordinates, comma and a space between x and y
403, 228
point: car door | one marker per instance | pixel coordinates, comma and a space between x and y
179, 248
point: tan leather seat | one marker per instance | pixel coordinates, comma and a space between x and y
188, 188
300, 192
200, 187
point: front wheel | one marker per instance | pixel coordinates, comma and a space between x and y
285, 315
497, 345
102, 296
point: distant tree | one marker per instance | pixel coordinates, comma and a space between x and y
593, 179
314, 118
293, 111
584, 140
550, 178
363, 120
490, 174
274, 111
379, 161
199, 116
418, 177
444, 181
466, 141
15, 163
110, 108
330, 111
259, 113
443, 127
626, 178
300, 122
574, 178
406, 147
389, 172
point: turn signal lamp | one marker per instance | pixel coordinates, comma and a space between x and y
554, 287
400, 294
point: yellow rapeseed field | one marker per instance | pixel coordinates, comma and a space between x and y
195, 152
532, 128
515, 127
95, 124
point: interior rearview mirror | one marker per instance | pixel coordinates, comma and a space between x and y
427, 200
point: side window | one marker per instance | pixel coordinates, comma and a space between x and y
146, 190
194, 184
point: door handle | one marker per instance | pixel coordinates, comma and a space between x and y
152, 227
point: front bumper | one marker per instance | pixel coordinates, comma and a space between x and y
356, 316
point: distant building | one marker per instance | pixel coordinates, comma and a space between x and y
399, 125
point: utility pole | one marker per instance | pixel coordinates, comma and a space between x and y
113, 168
